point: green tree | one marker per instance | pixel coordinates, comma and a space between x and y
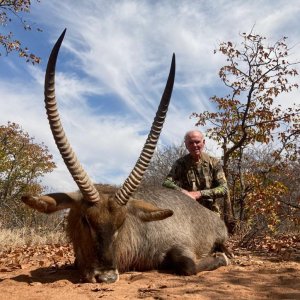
254, 76
22, 164
11, 10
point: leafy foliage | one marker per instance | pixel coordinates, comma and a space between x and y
264, 189
22, 163
10, 10
255, 75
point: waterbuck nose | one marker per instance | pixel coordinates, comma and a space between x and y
108, 277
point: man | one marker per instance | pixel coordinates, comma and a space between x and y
198, 174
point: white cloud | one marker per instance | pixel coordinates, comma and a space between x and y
113, 66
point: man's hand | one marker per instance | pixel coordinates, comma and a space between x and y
196, 195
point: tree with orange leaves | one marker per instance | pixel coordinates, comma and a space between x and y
255, 75
22, 164
9, 11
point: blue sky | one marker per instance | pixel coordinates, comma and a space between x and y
113, 66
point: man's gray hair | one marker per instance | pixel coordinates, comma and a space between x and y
191, 131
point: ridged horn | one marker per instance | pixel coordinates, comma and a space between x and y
134, 179
81, 178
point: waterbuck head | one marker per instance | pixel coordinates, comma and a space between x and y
98, 212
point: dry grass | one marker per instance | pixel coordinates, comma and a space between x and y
27, 237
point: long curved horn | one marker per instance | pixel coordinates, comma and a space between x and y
81, 178
134, 179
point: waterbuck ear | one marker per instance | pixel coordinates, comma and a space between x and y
148, 212
52, 202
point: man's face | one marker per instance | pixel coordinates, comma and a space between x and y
195, 143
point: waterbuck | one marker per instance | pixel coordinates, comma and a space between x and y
120, 229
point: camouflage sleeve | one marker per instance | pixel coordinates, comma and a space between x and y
220, 188
170, 181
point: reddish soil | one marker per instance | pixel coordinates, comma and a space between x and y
45, 272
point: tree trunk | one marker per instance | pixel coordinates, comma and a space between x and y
228, 209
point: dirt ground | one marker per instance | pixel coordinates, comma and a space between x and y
46, 273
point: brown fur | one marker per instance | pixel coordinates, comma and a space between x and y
108, 237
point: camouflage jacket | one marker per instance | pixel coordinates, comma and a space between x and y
206, 176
